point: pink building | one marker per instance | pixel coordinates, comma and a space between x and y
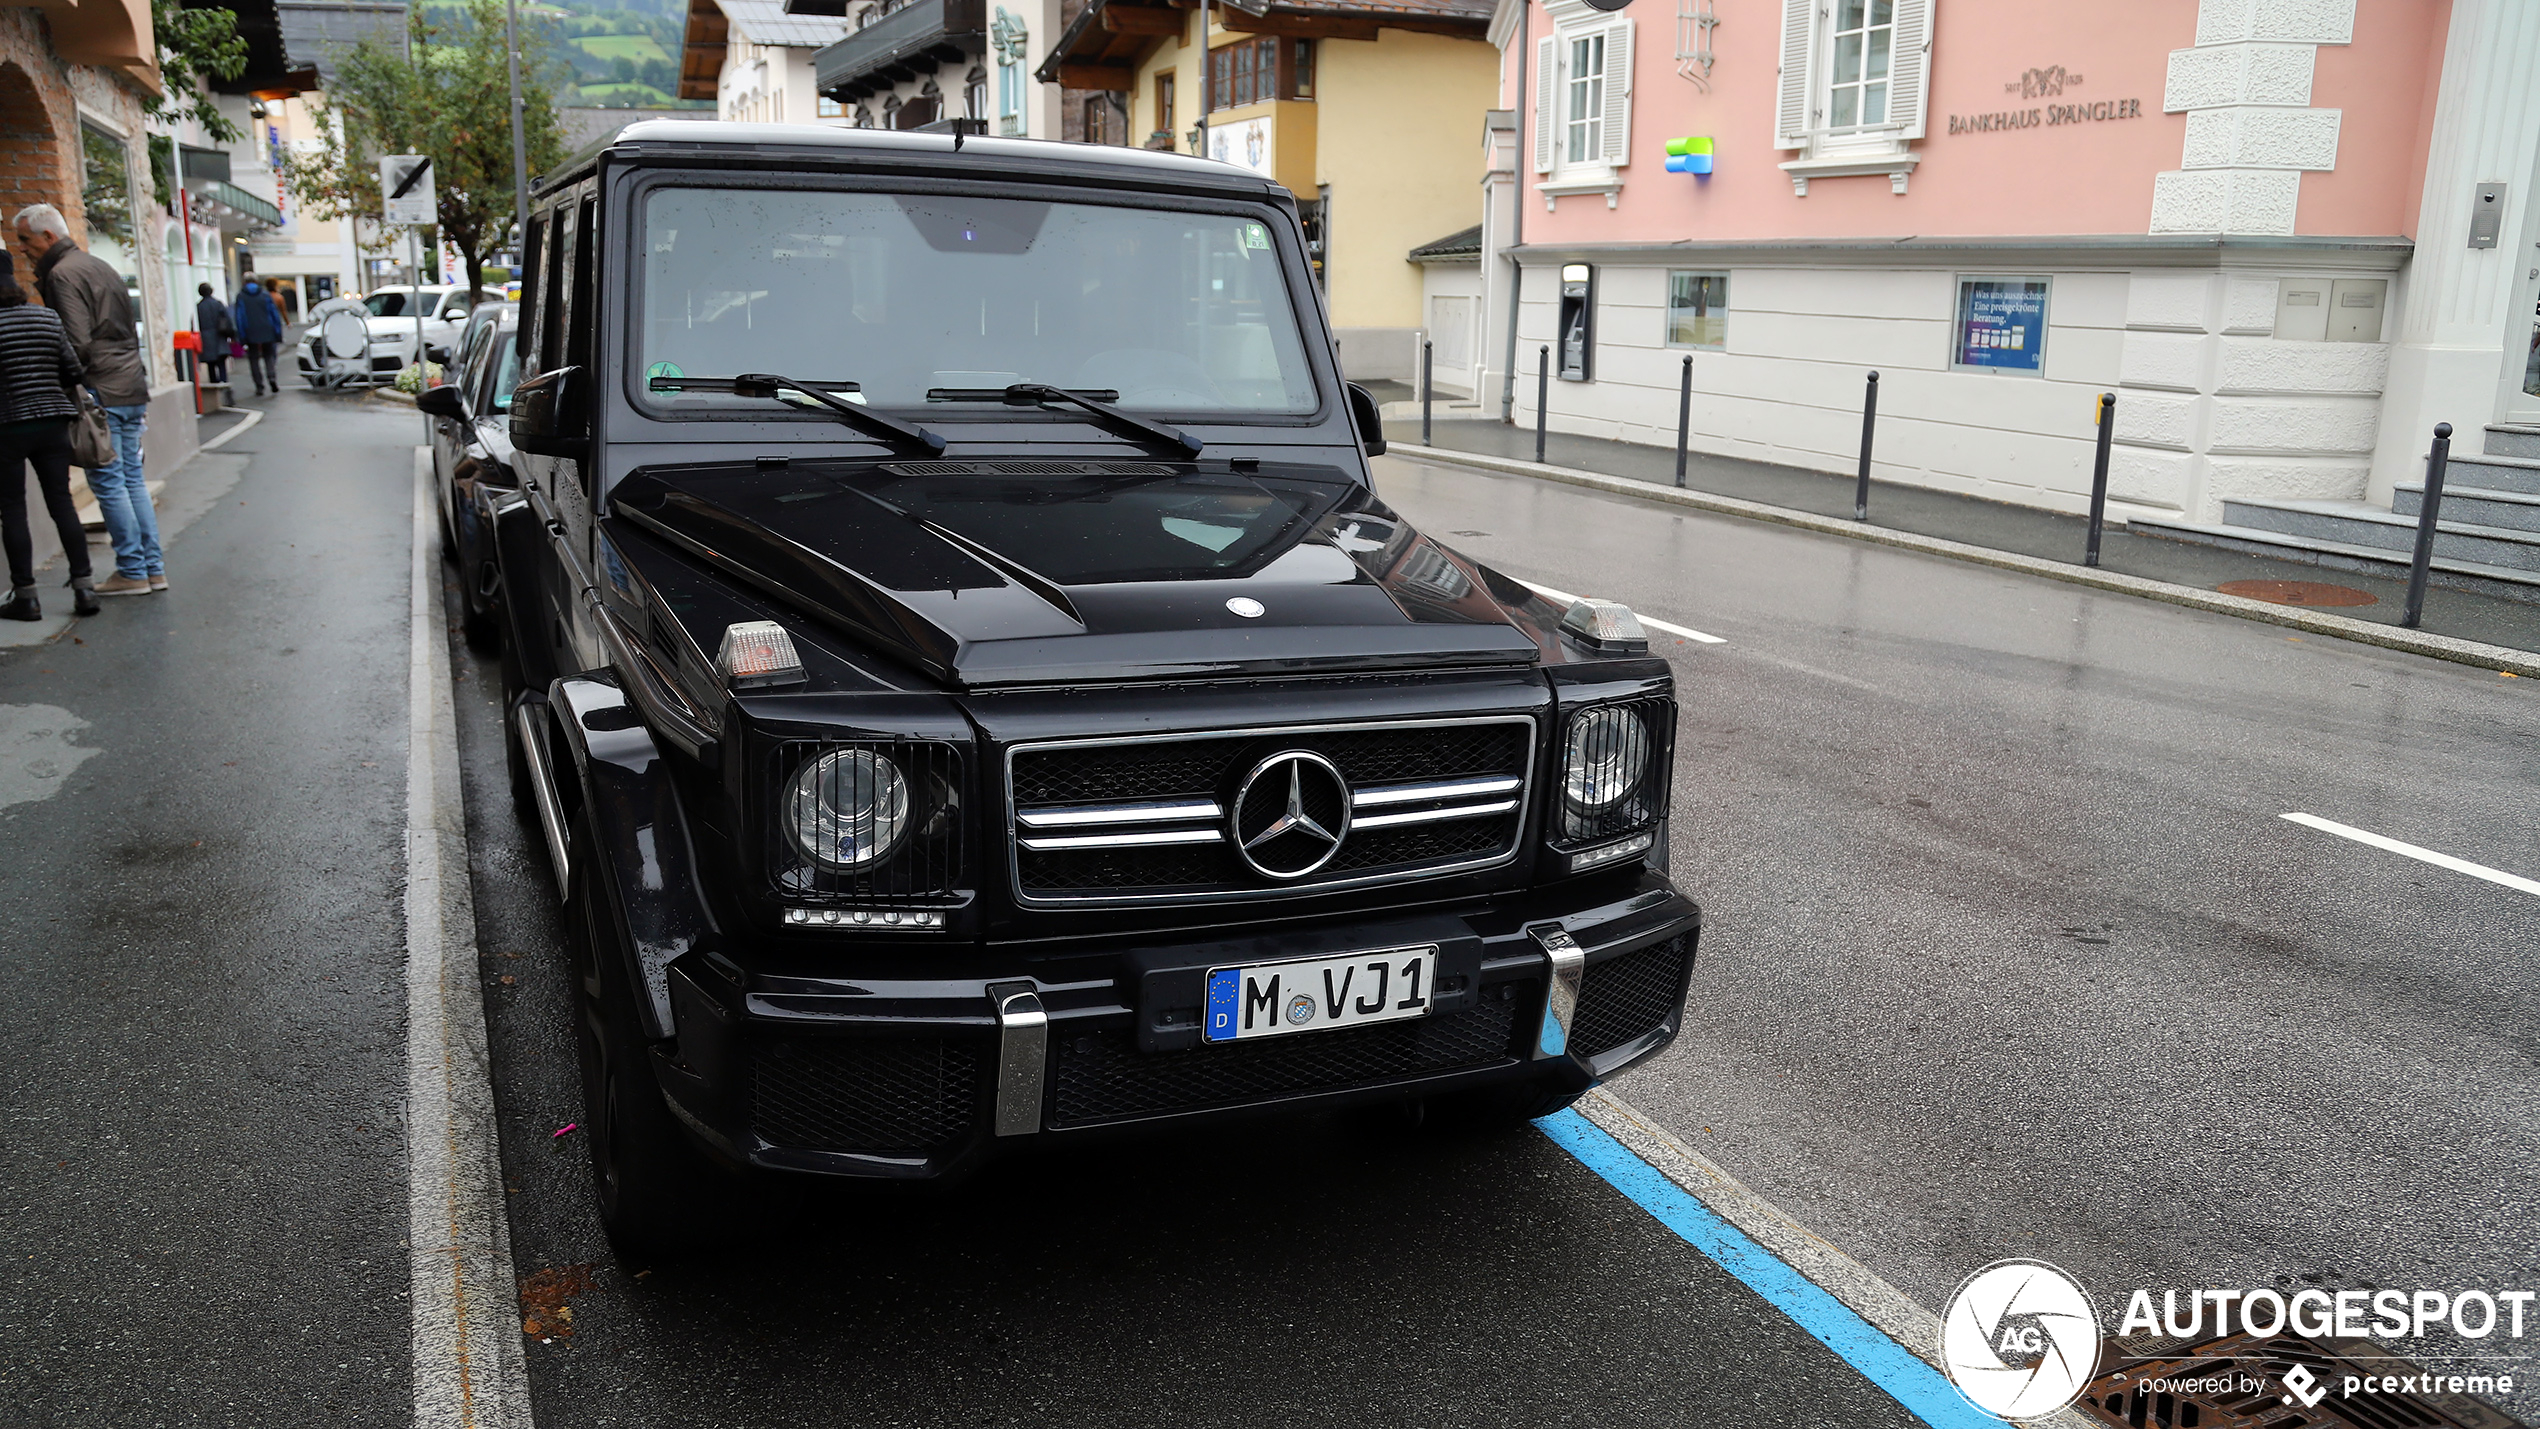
2291, 235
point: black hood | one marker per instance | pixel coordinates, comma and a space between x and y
999, 573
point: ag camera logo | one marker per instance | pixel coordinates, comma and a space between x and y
2020, 1339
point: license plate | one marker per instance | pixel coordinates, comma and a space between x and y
1314, 994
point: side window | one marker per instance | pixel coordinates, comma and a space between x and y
531, 251
580, 321
551, 277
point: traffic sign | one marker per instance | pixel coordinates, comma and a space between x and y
405, 189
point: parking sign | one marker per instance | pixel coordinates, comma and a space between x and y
405, 189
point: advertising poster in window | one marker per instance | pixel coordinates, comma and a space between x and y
1245, 142
2001, 324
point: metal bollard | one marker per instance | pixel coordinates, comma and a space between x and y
1428, 386
1869, 421
2099, 476
1684, 417
2427, 514
1543, 396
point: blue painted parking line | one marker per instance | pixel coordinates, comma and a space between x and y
1920, 1388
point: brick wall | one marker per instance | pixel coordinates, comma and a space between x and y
39, 122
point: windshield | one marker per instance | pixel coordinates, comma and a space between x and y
903, 294
391, 305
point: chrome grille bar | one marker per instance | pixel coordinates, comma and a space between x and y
1420, 793
1430, 816
1156, 812
1044, 843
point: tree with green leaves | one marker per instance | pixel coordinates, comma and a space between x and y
447, 97
192, 45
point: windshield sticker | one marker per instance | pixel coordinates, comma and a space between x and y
1256, 236
662, 369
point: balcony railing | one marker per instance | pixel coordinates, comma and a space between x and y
899, 40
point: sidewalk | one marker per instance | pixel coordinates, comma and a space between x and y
1997, 525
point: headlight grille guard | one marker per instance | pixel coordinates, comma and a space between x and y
1566, 829
927, 870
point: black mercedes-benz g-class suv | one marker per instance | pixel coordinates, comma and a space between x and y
973, 696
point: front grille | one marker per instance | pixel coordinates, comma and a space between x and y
1102, 1076
1145, 820
909, 1094
1628, 997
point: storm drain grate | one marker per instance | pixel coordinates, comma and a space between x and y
2245, 1382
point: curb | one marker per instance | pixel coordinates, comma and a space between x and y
1887, 1309
2413, 642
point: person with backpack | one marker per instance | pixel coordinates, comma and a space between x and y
38, 369
260, 327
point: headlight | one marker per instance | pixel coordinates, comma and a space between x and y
847, 809
1613, 771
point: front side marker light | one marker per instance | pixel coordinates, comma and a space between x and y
1606, 626
758, 652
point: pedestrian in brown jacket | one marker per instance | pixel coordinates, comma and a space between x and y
96, 312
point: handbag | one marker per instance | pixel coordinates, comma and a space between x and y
92, 441
237, 348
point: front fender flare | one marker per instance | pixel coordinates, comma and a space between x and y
643, 851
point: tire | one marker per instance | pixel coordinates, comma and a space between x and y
660, 1198
483, 629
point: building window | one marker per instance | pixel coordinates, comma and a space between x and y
1854, 77
1250, 72
1698, 310
828, 108
1583, 117
1094, 108
1011, 40
1583, 105
1163, 106
2001, 326
1864, 37
974, 95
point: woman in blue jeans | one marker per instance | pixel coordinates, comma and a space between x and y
37, 371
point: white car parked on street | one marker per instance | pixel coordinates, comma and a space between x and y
369, 340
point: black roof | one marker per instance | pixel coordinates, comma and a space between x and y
1466, 244
821, 145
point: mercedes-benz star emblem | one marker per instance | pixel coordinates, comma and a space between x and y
1291, 813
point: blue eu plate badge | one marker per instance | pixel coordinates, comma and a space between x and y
1223, 986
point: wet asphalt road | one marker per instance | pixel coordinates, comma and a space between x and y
2006, 952
202, 1172
2006, 949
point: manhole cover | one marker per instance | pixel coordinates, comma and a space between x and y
2299, 592
2279, 1382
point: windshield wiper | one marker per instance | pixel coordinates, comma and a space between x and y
1170, 441
911, 440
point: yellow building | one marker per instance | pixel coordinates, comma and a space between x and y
1368, 110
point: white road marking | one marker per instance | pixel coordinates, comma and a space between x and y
1652, 622
2423, 855
468, 1370
252, 418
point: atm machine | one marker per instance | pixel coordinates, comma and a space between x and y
1577, 322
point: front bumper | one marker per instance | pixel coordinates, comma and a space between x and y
914, 1079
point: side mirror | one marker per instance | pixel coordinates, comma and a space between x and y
550, 414
440, 402
1369, 421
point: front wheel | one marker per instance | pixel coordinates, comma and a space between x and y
659, 1195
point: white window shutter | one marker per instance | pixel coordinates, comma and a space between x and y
1908, 92
1799, 29
1547, 103
1618, 93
